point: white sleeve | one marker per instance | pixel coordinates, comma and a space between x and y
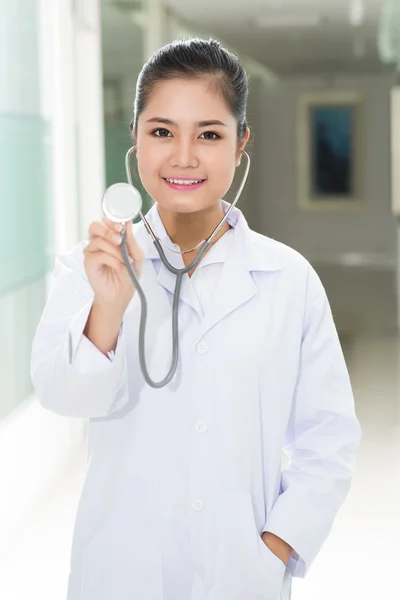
322, 438
70, 375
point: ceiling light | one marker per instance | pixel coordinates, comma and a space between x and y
356, 13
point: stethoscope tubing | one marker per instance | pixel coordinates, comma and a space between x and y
178, 284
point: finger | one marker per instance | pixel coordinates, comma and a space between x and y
102, 230
112, 225
100, 258
99, 243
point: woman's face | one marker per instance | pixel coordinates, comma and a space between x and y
187, 134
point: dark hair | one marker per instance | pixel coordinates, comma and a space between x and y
195, 58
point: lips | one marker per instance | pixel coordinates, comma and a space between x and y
183, 180
183, 183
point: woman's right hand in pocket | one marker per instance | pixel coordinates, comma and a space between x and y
105, 267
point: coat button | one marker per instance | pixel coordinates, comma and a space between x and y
202, 348
201, 427
198, 505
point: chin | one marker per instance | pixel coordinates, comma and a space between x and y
184, 204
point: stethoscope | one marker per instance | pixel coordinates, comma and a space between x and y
122, 203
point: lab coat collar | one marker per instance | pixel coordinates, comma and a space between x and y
246, 254
251, 256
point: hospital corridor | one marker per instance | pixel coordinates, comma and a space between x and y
323, 111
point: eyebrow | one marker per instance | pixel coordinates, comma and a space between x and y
199, 123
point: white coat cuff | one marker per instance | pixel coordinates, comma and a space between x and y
296, 564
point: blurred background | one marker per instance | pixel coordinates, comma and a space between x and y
324, 110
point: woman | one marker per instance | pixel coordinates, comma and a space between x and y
184, 497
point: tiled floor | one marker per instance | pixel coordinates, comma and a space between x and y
360, 559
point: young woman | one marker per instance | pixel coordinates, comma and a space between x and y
185, 497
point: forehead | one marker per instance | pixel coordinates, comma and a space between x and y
189, 99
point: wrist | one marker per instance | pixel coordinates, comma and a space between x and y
103, 325
278, 546
108, 310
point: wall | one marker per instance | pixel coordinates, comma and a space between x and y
327, 234
250, 203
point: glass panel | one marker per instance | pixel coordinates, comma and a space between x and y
24, 200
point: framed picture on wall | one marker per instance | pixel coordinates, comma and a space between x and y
329, 151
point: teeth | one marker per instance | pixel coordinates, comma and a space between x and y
184, 181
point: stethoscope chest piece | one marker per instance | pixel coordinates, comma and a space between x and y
122, 203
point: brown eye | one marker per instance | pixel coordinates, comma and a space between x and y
161, 132
210, 135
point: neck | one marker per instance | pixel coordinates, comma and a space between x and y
189, 229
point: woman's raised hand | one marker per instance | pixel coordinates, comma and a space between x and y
105, 267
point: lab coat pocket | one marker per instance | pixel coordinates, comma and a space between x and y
245, 567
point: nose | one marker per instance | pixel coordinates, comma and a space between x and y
184, 155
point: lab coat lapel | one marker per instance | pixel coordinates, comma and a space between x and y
168, 281
237, 285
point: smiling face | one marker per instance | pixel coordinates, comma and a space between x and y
187, 145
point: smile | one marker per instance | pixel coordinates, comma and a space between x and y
184, 181
181, 184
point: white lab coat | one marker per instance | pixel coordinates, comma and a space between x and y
182, 481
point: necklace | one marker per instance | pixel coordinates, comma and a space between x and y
195, 248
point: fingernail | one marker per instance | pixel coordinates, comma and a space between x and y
118, 227
117, 239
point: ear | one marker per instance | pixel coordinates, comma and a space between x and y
241, 146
